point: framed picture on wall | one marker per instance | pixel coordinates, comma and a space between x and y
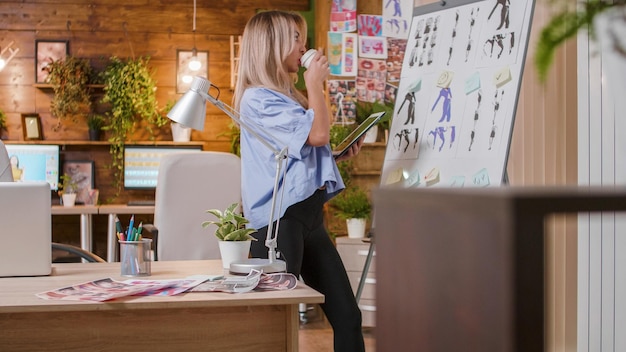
184, 73
31, 127
81, 172
46, 52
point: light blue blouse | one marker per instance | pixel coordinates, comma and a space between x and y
285, 123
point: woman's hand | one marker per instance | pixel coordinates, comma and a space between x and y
354, 150
317, 73
315, 77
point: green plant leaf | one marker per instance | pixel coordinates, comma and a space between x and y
563, 26
353, 202
230, 225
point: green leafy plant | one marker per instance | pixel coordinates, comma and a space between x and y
95, 122
131, 93
337, 134
3, 120
230, 225
565, 25
69, 78
352, 203
67, 185
235, 138
365, 109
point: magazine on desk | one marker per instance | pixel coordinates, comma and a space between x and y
255, 280
108, 289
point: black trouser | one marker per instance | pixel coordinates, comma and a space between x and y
306, 247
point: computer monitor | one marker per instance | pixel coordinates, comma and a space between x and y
141, 164
35, 162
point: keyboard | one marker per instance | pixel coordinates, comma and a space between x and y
140, 203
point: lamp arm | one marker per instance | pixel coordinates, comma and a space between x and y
280, 155
233, 114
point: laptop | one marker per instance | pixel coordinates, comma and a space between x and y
25, 229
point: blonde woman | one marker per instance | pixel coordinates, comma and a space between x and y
272, 46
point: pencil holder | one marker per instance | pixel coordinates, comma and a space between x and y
135, 257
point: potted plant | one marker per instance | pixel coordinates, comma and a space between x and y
365, 109
566, 24
131, 92
69, 78
67, 190
234, 238
234, 134
95, 123
354, 206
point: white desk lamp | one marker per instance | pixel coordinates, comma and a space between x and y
190, 111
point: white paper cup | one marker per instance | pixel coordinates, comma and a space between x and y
307, 58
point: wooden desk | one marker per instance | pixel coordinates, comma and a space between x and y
112, 210
471, 271
85, 212
255, 321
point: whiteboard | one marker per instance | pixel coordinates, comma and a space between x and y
457, 97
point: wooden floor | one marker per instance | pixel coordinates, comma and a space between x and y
316, 335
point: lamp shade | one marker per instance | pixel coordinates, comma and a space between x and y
190, 110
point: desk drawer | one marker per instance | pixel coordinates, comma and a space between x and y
369, 289
368, 312
354, 254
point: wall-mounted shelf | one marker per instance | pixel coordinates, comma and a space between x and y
104, 143
49, 86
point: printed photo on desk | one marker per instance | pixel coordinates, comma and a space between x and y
81, 172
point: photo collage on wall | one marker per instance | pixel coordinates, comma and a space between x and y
457, 93
365, 66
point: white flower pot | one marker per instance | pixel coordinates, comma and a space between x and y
356, 228
232, 251
69, 199
371, 135
180, 133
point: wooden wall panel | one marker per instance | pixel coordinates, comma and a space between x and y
213, 16
99, 29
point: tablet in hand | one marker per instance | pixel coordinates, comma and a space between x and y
358, 132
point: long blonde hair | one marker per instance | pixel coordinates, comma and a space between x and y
267, 40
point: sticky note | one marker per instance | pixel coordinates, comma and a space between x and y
432, 177
472, 83
502, 77
415, 86
413, 179
445, 79
481, 178
457, 181
394, 177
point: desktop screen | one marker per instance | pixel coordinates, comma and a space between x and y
35, 162
141, 164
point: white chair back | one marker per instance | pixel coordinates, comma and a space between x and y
188, 185
6, 175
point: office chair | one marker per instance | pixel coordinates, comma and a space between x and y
189, 184
62, 248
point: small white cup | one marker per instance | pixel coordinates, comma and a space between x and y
307, 58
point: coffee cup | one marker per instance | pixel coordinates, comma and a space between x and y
307, 58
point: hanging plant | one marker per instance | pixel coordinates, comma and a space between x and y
69, 78
566, 24
3, 121
234, 134
131, 93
